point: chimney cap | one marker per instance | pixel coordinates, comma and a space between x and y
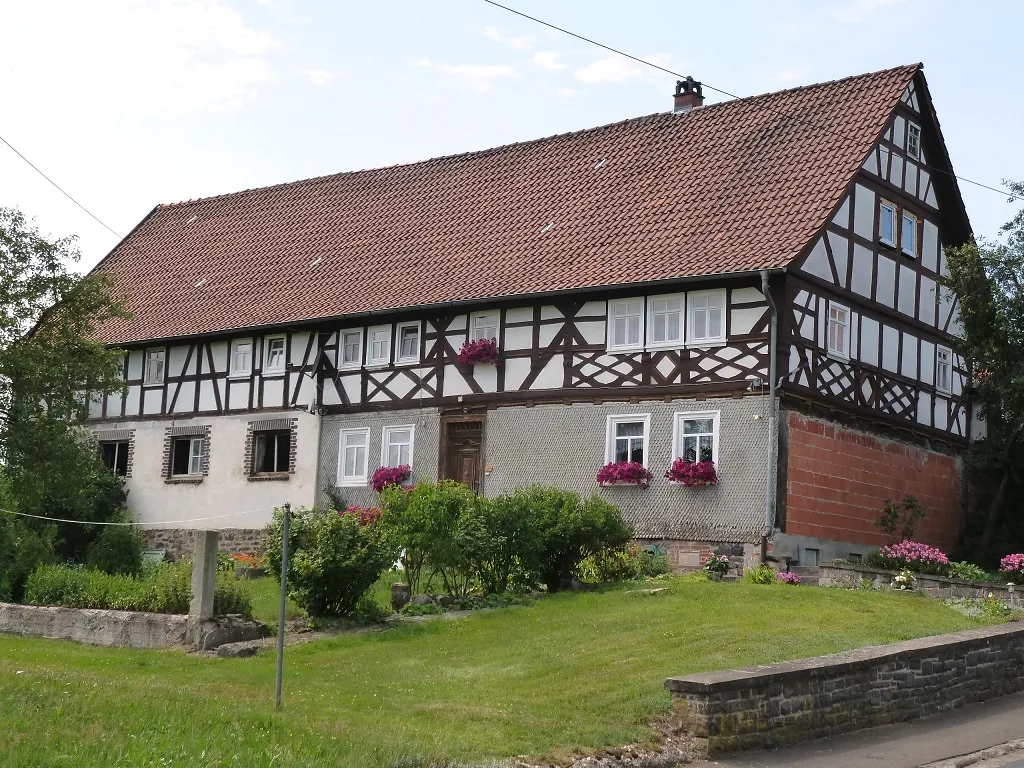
689, 85
689, 94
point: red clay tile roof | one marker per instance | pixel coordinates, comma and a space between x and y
741, 185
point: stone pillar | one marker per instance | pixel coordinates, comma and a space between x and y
204, 575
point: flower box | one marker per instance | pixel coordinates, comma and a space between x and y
694, 474
385, 476
478, 352
624, 473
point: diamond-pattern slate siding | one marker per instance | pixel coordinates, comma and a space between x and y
737, 186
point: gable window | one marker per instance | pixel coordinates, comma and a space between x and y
187, 456
352, 453
626, 438
665, 321
241, 357
380, 345
943, 369
887, 224
351, 349
154, 373
396, 446
908, 234
273, 354
408, 342
914, 141
838, 330
272, 452
625, 324
695, 436
706, 321
114, 455
484, 326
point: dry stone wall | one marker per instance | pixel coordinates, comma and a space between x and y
181, 541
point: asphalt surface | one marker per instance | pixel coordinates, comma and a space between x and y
906, 745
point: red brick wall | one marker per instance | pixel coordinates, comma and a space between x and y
838, 480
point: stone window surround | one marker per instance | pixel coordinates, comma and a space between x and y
119, 436
253, 428
172, 433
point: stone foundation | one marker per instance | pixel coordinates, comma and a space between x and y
684, 556
793, 701
181, 541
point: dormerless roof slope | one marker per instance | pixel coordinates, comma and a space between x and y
730, 187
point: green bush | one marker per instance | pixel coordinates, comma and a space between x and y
22, 550
333, 560
116, 550
970, 572
763, 574
505, 542
626, 564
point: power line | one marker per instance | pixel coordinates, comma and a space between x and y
637, 59
162, 522
59, 189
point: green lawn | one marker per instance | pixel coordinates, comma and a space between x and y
571, 670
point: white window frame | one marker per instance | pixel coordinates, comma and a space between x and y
385, 442
378, 361
357, 480
709, 341
844, 353
948, 388
914, 153
358, 362
415, 358
154, 382
677, 432
627, 347
883, 205
609, 438
912, 253
474, 316
269, 369
196, 449
237, 373
669, 344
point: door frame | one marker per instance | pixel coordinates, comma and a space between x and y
462, 417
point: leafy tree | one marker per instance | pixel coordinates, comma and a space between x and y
899, 520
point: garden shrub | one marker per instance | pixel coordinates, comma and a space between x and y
504, 540
969, 572
332, 559
1011, 568
912, 555
763, 574
625, 564
22, 550
116, 550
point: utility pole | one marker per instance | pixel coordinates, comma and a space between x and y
284, 599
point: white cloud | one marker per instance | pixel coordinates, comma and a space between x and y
855, 11
613, 69
317, 76
477, 75
548, 60
520, 43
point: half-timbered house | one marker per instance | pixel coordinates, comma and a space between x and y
756, 282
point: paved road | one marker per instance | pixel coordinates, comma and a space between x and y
907, 745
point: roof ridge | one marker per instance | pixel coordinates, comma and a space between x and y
912, 68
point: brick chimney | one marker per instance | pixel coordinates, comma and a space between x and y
688, 95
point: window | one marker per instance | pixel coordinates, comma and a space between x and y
838, 330
380, 345
483, 327
943, 369
115, 456
855, 557
887, 224
272, 452
408, 342
706, 319
187, 456
665, 321
626, 324
154, 373
810, 557
273, 354
914, 141
351, 349
908, 234
695, 436
352, 457
627, 438
241, 357
396, 446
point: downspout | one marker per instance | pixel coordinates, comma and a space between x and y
769, 490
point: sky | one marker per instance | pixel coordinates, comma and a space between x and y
131, 103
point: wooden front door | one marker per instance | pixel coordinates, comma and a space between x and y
463, 452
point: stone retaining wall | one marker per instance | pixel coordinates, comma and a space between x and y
181, 541
795, 701
851, 576
127, 629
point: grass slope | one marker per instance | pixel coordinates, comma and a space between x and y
572, 670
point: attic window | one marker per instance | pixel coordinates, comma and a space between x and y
914, 141
887, 224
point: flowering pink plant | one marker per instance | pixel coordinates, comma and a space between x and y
477, 352
1013, 567
912, 555
385, 476
624, 473
691, 473
788, 577
366, 515
717, 564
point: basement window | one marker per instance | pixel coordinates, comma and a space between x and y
272, 454
187, 456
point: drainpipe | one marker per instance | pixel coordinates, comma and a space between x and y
769, 490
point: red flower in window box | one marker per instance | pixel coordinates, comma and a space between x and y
478, 352
385, 476
624, 473
692, 473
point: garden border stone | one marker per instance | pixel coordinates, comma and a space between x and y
850, 575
